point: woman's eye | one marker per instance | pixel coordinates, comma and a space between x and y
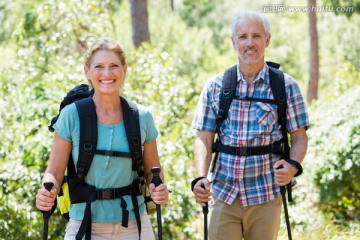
98, 66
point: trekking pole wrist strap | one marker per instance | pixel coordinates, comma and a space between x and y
297, 165
193, 183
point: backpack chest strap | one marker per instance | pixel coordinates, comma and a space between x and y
111, 153
276, 148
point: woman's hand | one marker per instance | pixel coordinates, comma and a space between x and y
159, 194
45, 199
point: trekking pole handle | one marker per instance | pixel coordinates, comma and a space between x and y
156, 176
48, 186
157, 181
206, 207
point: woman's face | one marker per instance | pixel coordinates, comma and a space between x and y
106, 72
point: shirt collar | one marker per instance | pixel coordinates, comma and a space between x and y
262, 76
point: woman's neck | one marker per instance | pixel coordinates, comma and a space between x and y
107, 104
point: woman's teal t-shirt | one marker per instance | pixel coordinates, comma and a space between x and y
105, 171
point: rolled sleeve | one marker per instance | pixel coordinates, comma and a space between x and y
205, 114
296, 111
65, 125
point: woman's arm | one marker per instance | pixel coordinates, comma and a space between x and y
159, 194
54, 173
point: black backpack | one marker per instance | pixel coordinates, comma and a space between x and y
227, 95
74, 182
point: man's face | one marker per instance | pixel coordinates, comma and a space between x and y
250, 41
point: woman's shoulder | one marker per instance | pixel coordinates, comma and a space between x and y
69, 110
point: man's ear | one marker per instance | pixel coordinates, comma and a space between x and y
268, 37
233, 43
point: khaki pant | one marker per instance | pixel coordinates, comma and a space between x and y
234, 222
105, 231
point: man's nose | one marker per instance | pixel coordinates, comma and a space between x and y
250, 41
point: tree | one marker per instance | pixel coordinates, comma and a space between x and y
312, 92
140, 22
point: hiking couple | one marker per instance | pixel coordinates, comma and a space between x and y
243, 187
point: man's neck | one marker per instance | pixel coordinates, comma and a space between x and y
250, 72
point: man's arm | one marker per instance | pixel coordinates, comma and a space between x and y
297, 152
299, 142
202, 153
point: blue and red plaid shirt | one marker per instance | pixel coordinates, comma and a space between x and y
248, 178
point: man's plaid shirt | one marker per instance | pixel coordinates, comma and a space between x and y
248, 178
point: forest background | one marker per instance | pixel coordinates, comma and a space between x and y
42, 43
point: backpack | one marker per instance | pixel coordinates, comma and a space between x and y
74, 189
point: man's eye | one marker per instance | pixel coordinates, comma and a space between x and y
98, 66
114, 66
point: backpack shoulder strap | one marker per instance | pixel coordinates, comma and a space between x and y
132, 129
226, 96
277, 84
88, 135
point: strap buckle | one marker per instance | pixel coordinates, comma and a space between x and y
242, 151
88, 148
105, 194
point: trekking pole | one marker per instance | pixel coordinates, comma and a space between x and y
157, 181
283, 191
283, 196
46, 215
205, 212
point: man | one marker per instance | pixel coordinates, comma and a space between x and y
245, 190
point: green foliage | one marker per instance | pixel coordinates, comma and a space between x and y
18, 219
336, 144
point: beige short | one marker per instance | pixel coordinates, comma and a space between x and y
104, 231
234, 222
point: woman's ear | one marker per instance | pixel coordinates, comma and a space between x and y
86, 71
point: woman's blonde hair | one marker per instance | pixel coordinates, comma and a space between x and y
105, 44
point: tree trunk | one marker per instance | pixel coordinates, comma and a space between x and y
140, 22
172, 5
312, 93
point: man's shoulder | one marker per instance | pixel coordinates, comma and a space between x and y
214, 81
289, 80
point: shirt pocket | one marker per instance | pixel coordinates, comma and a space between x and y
266, 114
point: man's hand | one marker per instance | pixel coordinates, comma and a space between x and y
284, 172
202, 191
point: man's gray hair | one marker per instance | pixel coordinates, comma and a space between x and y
243, 15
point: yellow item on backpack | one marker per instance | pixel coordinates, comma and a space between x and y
63, 200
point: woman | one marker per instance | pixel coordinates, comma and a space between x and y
105, 68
